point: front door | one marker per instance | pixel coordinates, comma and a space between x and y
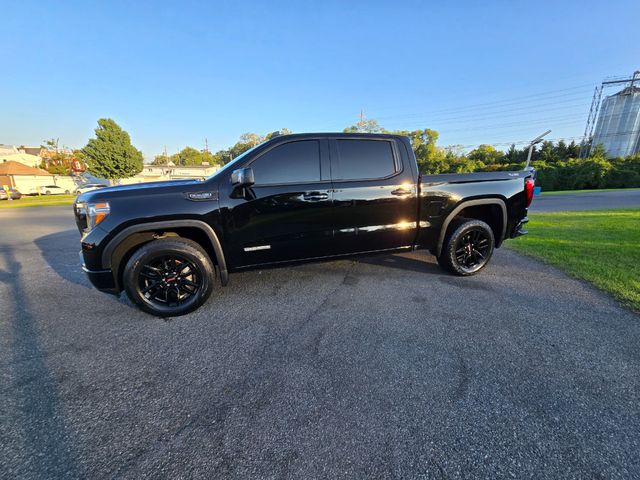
286, 214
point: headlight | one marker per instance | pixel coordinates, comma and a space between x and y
93, 214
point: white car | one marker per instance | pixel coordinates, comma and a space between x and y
87, 187
49, 190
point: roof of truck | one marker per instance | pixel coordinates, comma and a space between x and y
336, 134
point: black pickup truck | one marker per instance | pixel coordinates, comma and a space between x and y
293, 198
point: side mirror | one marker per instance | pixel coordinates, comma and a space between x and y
242, 177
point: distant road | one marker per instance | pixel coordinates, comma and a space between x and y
586, 201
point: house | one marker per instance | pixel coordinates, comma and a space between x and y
154, 173
24, 155
22, 177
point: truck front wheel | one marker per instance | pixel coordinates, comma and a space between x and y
169, 277
467, 248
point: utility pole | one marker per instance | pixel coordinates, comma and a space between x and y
206, 145
361, 123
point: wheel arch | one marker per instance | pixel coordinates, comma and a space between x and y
121, 247
499, 231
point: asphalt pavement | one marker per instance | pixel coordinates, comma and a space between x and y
586, 201
384, 367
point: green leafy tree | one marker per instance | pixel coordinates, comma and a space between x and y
365, 126
573, 150
111, 154
162, 159
430, 158
486, 154
598, 152
187, 156
251, 138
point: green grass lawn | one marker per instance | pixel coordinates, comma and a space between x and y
44, 200
601, 246
571, 192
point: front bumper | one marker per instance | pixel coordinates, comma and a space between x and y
101, 279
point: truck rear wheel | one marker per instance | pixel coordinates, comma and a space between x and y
467, 247
169, 277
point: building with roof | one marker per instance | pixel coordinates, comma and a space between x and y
22, 177
22, 154
154, 173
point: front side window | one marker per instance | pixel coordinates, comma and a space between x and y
361, 159
294, 162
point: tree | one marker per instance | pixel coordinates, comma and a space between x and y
486, 154
187, 156
598, 152
51, 145
251, 138
365, 126
111, 154
162, 159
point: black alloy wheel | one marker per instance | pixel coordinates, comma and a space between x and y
467, 247
472, 249
169, 280
169, 276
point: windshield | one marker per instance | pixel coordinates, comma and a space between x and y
235, 161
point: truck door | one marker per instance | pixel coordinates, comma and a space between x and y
375, 198
286, 214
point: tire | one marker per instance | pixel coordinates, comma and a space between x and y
169, 277
47, 192
467, 248
67, 192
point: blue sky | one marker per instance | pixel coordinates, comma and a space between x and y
173, 73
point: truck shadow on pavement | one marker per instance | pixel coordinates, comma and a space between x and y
404, 261
38, 416
60, 251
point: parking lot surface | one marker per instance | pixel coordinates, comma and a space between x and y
384, 367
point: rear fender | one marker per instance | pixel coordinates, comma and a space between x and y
473, 203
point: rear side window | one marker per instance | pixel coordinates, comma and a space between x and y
361, 159
294, 162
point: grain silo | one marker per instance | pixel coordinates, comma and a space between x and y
618, 125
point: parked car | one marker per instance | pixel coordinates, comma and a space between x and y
49, 190
87, 187
293, 198
13, 193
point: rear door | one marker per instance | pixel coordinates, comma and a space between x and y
286, 214
375, 198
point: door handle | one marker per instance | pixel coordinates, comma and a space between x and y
315, 196
400, 192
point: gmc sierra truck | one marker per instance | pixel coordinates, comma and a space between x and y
292, 198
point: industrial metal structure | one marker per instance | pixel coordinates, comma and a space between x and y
618, 119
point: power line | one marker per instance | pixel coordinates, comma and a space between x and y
586, 87
486, 106
516, 111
